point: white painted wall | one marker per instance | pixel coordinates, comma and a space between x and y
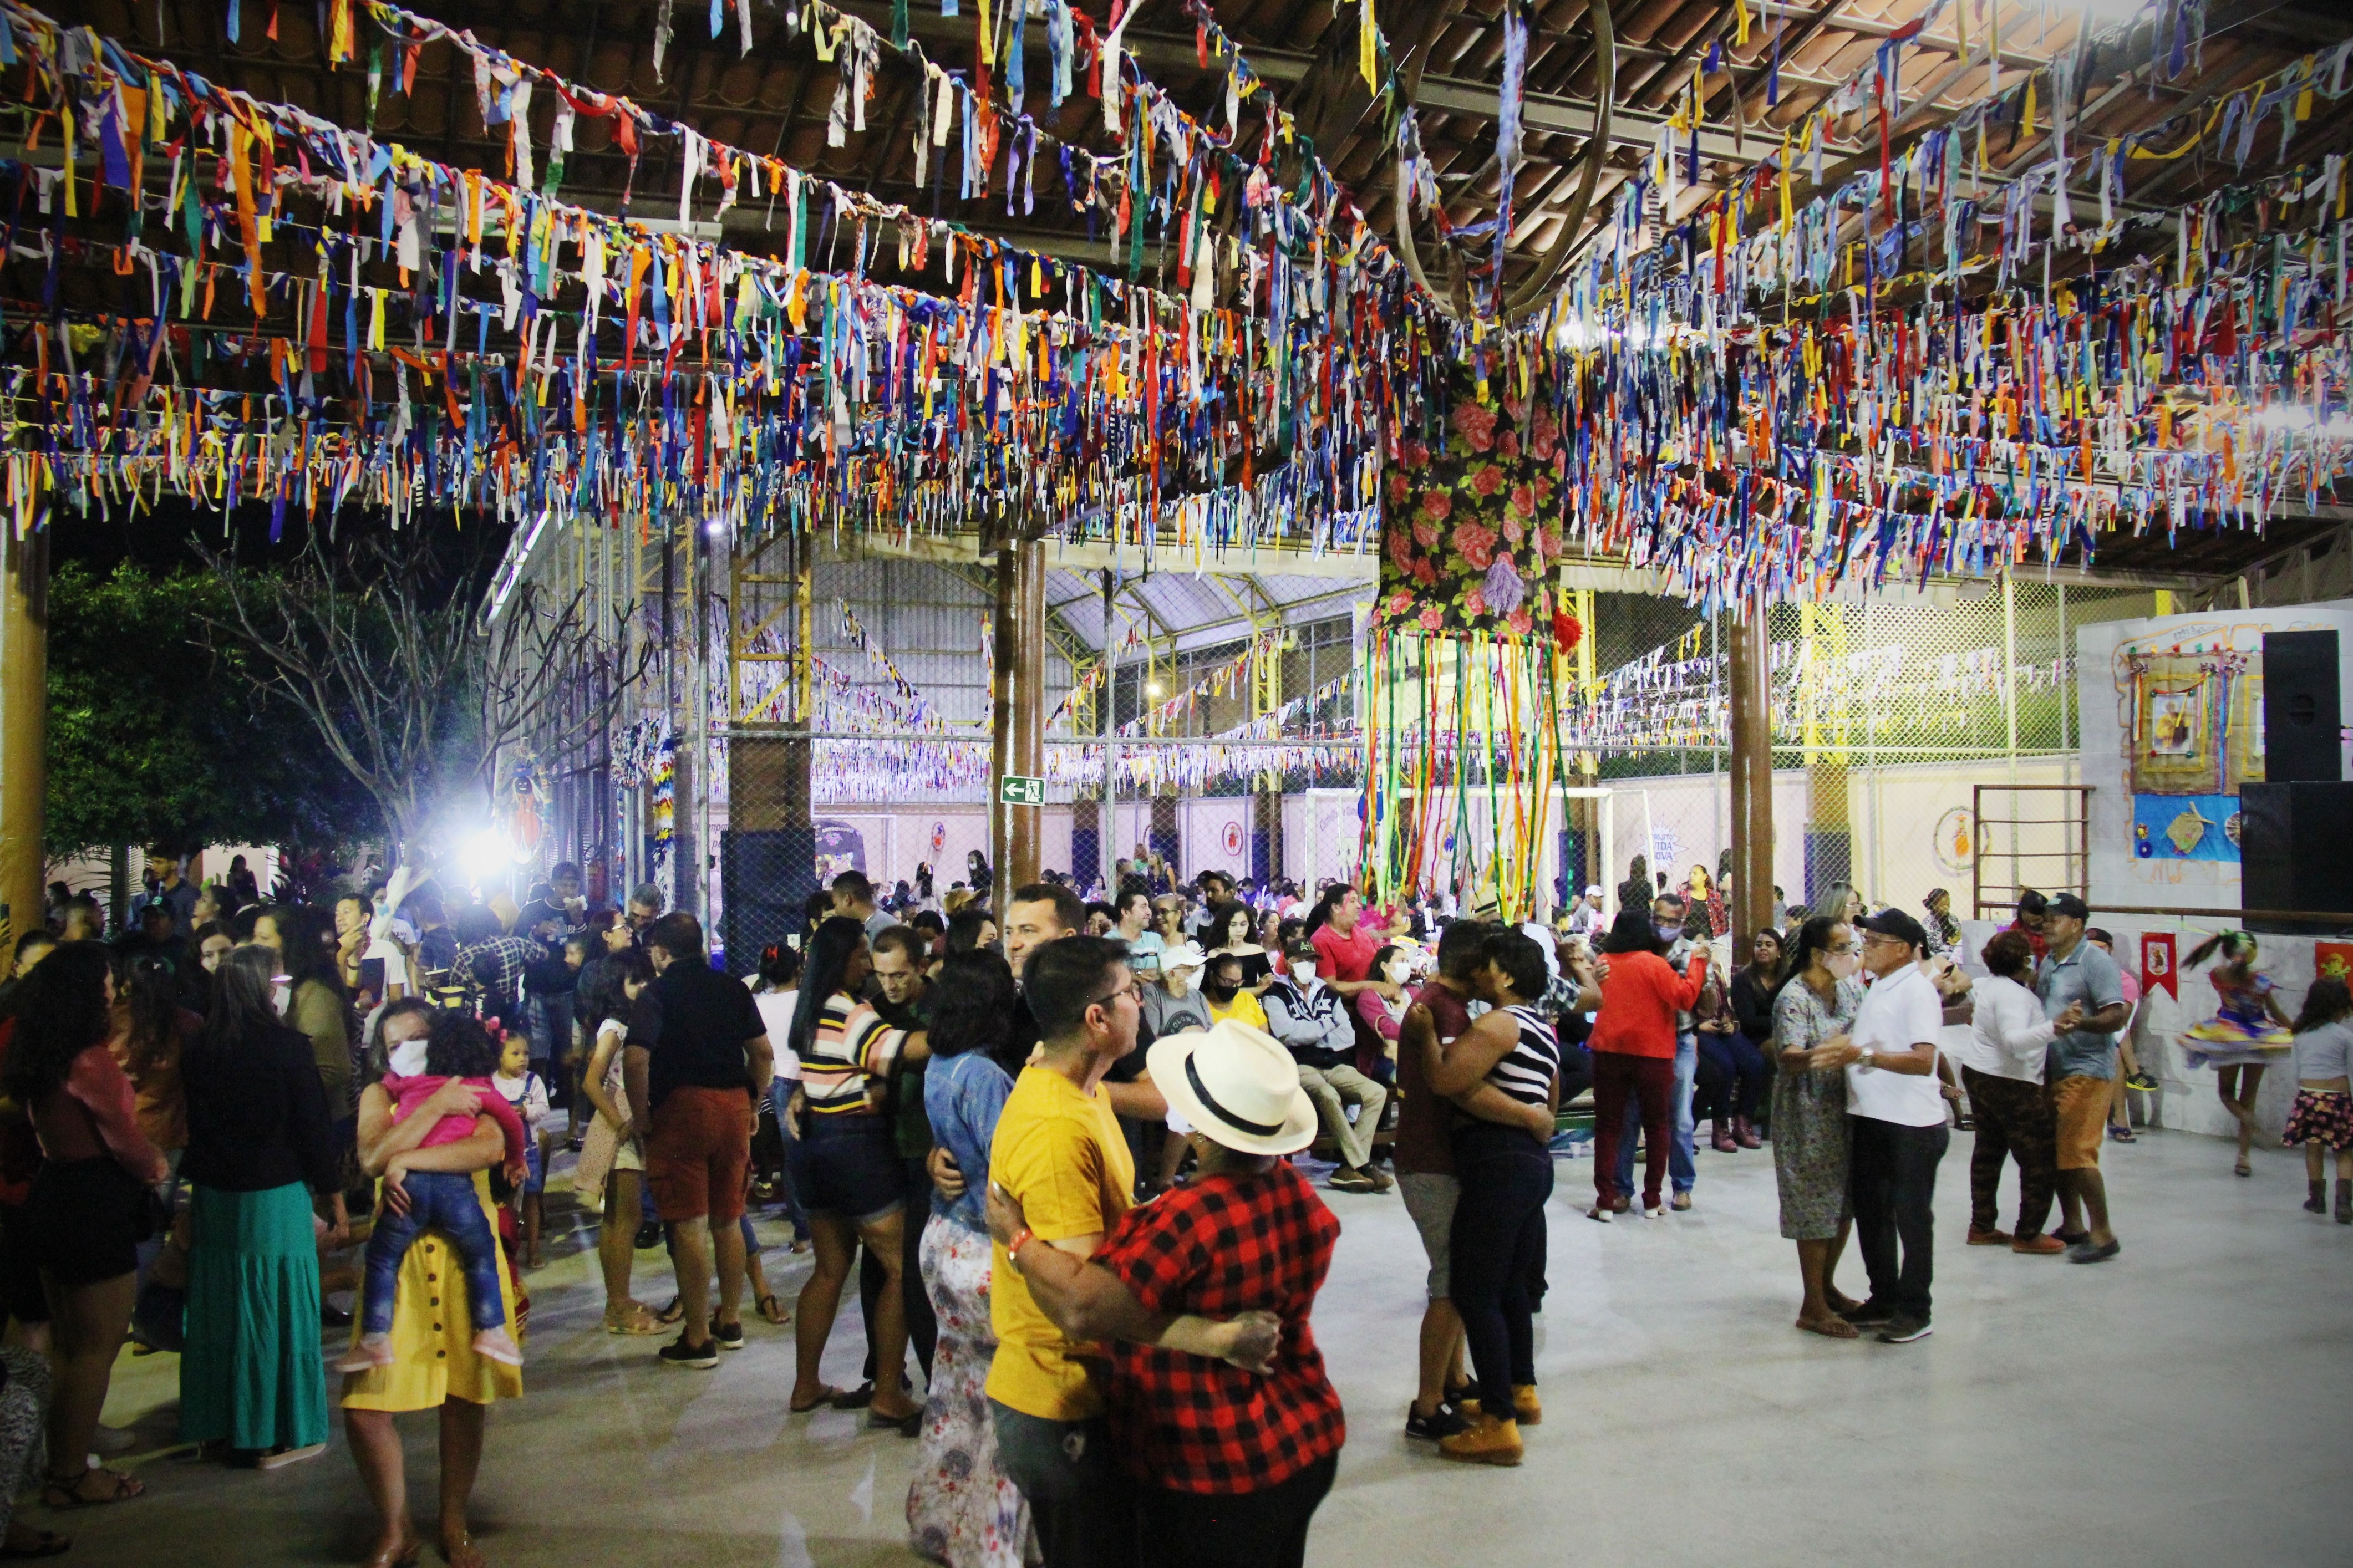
2104, 686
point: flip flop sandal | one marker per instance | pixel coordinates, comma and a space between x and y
826, 1394
674, 1313
45, 1543
858, 1398
908, 1425
639, 1321
773, 1310
125, 1488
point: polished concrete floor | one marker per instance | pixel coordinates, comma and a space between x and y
2186, 1404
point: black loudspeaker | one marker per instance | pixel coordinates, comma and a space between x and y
2296, 853
2301, 722
765, 878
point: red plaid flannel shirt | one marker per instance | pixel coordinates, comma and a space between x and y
1218, 1246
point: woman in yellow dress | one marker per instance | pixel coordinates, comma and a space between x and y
434, 1366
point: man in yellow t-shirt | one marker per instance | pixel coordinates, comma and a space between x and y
1059, 1150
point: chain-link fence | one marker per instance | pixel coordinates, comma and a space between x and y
1888, 715
874, 752
1247, 753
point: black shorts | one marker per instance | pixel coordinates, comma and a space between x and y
849, 1165
85, 1220
21, 1296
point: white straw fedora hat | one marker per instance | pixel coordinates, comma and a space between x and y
1238, 1086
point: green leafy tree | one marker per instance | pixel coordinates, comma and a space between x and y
156, 736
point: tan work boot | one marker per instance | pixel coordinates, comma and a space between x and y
1485, 1441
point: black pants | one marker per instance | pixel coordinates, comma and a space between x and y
1081, 1502
923, 1324
1497, 1249
1576, 1071
1891, 1180
1251, 1530
1737, 1075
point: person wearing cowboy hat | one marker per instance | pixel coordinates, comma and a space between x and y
1229, 1458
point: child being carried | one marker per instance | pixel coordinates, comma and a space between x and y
457, 1047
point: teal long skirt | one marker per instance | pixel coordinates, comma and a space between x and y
252, 1374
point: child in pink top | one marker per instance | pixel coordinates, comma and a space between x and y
445, 1201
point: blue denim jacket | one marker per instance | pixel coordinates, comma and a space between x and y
963, 1095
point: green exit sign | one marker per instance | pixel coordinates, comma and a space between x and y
1019, 791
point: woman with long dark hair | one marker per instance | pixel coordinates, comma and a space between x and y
611, 1171
1752, 1008
152, 1033
1633, 1048
316, 1004
1734, 1090
1813, 1009
1233, 930
89, 1207
846, 1163
260, 1145
962, 1509
1496, 1245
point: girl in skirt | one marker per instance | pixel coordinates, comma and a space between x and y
2323, 1112
2246, 1035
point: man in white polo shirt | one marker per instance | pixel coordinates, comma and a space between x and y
1898, 1119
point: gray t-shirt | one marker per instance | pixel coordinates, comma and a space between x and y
2090, 976
2324, 1053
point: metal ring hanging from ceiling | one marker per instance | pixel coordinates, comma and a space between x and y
1523, 301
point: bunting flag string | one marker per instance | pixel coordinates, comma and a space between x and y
1218, 682
843, 402
922, 714
1750, 404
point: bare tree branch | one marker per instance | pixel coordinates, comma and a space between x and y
417, 696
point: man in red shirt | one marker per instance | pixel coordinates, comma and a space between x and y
1346, 947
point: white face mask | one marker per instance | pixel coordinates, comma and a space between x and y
1844, 964
407, 1058
1180, 981
1302, 971
1399, 972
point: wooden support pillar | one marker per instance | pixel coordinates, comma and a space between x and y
1750, 673
1017, 711
1107, 817
23, 728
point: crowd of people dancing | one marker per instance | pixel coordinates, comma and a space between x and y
1068, 1147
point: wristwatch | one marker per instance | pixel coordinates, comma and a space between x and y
1868, 1059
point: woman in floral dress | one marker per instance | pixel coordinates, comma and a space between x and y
1811, 1014
961, 1507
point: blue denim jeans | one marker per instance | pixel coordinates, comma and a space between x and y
780, 1094
548, 1019
1682, 1170
443, 1201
